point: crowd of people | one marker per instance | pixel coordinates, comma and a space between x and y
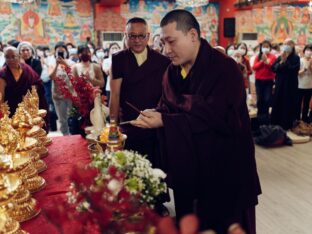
47, 64
185, 102
282, 77
264, 68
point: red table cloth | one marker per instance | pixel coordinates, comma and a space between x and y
64, 152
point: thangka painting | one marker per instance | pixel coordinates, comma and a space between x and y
153, 11
277, 23
47, 23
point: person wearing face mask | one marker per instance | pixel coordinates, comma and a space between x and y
47, 84
73, 56
91, 46
92, 71
243, 49
305, 84
57, 69
285, 98
229, 50
100, 54
107, 63
264, 81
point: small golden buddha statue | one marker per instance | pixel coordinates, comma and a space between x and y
4, 108
9, 137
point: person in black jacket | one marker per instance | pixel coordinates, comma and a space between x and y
27, 52
285, 98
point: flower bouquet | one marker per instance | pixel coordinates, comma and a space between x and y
82, 97
113, 195
140, 179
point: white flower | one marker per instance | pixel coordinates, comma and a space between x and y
85, 205
159, 173
114, 186
140, 177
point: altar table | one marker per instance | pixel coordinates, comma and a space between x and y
64, 152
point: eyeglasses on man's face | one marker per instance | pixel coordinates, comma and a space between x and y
137, 36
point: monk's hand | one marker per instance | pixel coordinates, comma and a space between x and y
236, 228
188, 225
148, 119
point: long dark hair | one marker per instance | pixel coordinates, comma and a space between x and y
260, 48
244, 44
308, 46
228, 47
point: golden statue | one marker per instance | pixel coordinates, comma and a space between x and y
4, 108
9, 137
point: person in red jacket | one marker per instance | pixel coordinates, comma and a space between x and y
264, 80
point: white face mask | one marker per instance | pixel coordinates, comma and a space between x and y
286, 48
265, 50
230, 52
100, 54
242, 51
307, 53
40, 53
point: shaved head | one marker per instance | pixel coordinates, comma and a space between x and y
184, 19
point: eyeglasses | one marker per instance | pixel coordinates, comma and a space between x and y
139, 36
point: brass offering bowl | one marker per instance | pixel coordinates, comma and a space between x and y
95, 148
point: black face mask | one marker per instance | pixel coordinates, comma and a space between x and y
85, 57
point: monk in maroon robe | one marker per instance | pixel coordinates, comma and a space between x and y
136, 78
16, 79
204, 130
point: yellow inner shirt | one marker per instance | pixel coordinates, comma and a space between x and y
183, 73
141, 57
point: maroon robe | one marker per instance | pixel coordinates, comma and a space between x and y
207, 146
141, 86
15, 90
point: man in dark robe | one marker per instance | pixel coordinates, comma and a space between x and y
204, 130
16, 79
286, 96
136, 78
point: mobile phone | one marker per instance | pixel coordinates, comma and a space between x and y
60, 54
